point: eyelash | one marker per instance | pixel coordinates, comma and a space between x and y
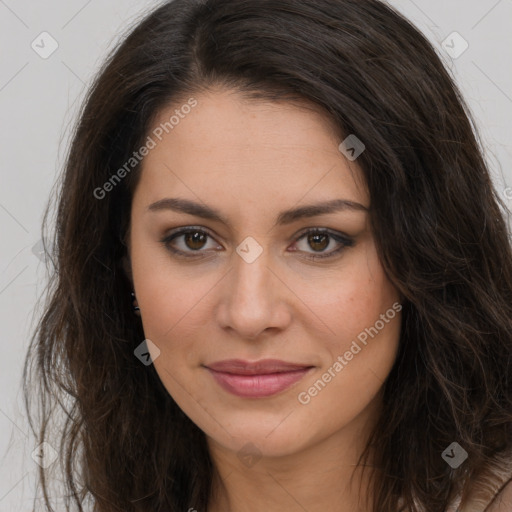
343, 240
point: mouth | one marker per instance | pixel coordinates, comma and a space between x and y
257, 379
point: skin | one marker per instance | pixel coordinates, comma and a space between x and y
251, 159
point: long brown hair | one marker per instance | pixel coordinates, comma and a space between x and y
438, 224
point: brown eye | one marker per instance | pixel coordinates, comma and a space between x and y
318, 241
195, 239
189, 242
192, 243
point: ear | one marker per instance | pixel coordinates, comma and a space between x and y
126, 262
127, 267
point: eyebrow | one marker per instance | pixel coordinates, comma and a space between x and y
284, 218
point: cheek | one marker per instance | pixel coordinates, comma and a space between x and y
366, 320
169, 295
364, 317
355, 300
173, 317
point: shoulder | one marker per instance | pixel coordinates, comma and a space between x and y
492, 491
503, 500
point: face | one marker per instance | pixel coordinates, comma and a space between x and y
274, 320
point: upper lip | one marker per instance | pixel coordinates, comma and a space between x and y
261, 367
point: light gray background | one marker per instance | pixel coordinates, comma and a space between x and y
38, 103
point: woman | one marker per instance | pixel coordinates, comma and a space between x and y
283, 278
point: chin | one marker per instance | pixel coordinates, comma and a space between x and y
271, 438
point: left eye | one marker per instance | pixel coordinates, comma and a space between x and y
320, 240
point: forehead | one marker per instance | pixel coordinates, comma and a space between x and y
252, 148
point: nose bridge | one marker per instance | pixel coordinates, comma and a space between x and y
252, 303
251, 275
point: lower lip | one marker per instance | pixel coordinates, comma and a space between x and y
258, 386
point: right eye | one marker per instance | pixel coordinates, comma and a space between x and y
192, 240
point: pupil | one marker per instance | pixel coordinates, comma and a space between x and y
314, 239
195, 238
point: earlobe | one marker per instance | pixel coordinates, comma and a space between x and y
135, 304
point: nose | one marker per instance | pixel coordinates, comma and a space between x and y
254, 299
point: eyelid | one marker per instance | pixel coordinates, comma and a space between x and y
176, 233
341, 238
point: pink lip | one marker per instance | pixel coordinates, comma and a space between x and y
258, 379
